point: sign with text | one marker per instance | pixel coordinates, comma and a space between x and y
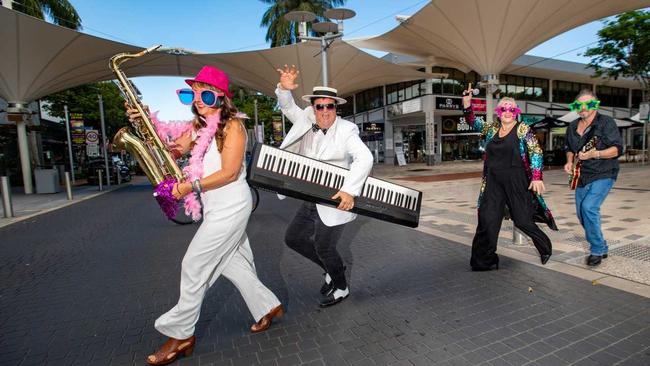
456, 104
458, 124
372, 127
92, 143
77, 131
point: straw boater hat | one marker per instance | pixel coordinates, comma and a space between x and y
323, 92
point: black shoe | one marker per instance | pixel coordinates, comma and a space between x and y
334, 297
488, 268
544, 258
327, 287
594, 260
605, 255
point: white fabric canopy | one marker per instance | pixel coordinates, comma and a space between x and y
39, 58
488, 35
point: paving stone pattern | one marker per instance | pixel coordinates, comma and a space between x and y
84, 284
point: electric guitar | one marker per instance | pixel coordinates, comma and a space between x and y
575, 175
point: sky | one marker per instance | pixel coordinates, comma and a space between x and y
234, 25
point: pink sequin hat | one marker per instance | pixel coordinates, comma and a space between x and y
212, 76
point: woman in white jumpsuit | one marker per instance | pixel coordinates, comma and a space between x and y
220, 246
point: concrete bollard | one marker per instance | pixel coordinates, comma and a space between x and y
99, 179
68, 186
6, 197
517, 236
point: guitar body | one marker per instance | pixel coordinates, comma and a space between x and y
574, 178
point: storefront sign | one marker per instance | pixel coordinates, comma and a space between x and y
372, 127
458, 124
449, 103
456, 104
478, 105
77, 132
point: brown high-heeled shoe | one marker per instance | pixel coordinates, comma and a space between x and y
266, 320
170, 351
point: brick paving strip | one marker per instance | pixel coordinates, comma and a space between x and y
449, 211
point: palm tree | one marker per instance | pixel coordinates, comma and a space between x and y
282, 32
60, 11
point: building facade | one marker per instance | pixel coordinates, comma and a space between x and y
419, 118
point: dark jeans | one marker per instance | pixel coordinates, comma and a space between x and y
505, 187
315, 241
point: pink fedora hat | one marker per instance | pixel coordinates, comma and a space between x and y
212, 76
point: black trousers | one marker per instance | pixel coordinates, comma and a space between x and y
505, 187
312, 239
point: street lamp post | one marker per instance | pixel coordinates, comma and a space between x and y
67, 129
331, 30
103, 125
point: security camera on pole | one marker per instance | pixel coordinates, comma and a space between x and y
331, 30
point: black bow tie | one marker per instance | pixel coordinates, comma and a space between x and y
315, 128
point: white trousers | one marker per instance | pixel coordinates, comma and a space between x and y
219, 247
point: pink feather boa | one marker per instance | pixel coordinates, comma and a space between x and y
170, 131
194, 170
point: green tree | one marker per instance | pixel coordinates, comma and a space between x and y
61, 12
623, 49
281, 32
244, 100
83, 99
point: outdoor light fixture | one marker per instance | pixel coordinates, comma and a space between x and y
301, 17
340, 15
330, 30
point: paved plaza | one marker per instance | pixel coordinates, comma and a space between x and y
82, 285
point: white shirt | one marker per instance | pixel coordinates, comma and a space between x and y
311, 143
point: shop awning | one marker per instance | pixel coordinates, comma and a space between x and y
487, 36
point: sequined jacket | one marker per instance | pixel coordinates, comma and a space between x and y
531, 154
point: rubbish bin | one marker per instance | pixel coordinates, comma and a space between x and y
47, 181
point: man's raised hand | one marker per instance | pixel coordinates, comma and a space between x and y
288, 76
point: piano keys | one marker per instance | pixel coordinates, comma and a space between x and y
312, 180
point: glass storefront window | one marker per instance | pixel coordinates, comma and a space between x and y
566, 91
461, 147
370, 99
400, 92
636, 98
611, 96
523, 87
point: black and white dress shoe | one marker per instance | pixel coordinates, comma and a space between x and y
334, 297
327, 286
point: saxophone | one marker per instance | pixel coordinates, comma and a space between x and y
141, 140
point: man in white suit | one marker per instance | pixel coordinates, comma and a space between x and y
318, 133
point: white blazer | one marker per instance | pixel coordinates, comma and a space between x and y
341, 146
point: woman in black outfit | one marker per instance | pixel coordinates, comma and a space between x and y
512, 169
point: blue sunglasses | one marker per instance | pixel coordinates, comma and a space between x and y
209, 97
